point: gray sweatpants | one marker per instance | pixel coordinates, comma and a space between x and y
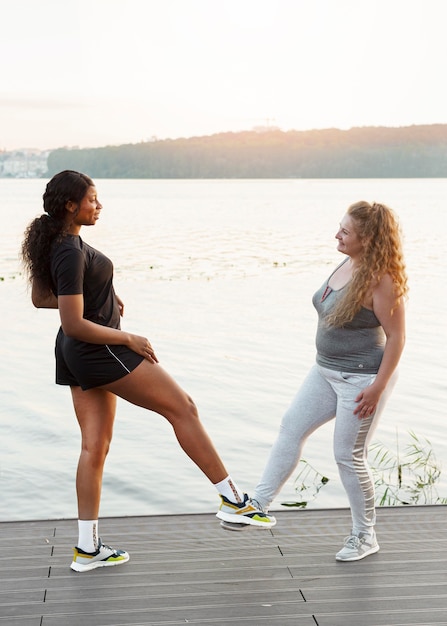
324, 395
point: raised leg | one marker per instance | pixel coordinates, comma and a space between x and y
151, 387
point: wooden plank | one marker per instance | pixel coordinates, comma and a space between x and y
9, 573
24, 621
399, 593
142, 612
282, 620
386, 617
198, 589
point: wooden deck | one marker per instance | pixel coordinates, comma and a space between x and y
187, 570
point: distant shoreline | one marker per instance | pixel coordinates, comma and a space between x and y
267, 153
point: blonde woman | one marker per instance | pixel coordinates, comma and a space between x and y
359, 341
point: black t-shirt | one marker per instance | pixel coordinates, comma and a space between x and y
77, 268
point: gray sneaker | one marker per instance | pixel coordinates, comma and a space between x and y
357, 547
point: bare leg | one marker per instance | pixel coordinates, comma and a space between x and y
149, 386
95, 411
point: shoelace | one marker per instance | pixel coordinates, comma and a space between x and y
353, 542
257, 506
112, 550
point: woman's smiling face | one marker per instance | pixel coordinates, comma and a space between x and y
348, 240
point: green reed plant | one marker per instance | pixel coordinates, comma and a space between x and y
408, 477
400, 478
308, 484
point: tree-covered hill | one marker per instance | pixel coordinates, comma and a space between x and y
368, 152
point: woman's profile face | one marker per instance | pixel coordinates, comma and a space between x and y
348, 240
86, 213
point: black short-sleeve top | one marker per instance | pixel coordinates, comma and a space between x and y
77, 268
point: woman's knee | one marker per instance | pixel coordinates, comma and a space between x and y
183, 411
96, 448
350, 459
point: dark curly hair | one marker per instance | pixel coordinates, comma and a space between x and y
44, 230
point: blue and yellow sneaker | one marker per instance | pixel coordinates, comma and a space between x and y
245, 512
105, 556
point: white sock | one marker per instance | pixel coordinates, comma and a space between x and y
228, 488
88, 534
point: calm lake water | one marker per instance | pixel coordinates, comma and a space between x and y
219, 275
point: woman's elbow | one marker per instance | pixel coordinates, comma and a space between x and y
41, 302
70, 330
399, 342
43, 298
36, 297
73, 328
36, 301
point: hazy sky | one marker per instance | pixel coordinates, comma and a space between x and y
101, 72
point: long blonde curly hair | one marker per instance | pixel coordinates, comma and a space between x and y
379, 231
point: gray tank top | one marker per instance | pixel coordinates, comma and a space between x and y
357, 347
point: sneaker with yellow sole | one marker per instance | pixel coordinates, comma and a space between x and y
246, 512
105, 556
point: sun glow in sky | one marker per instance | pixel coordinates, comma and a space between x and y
101, 72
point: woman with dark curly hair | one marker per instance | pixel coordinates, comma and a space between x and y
359, 341
99, 361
